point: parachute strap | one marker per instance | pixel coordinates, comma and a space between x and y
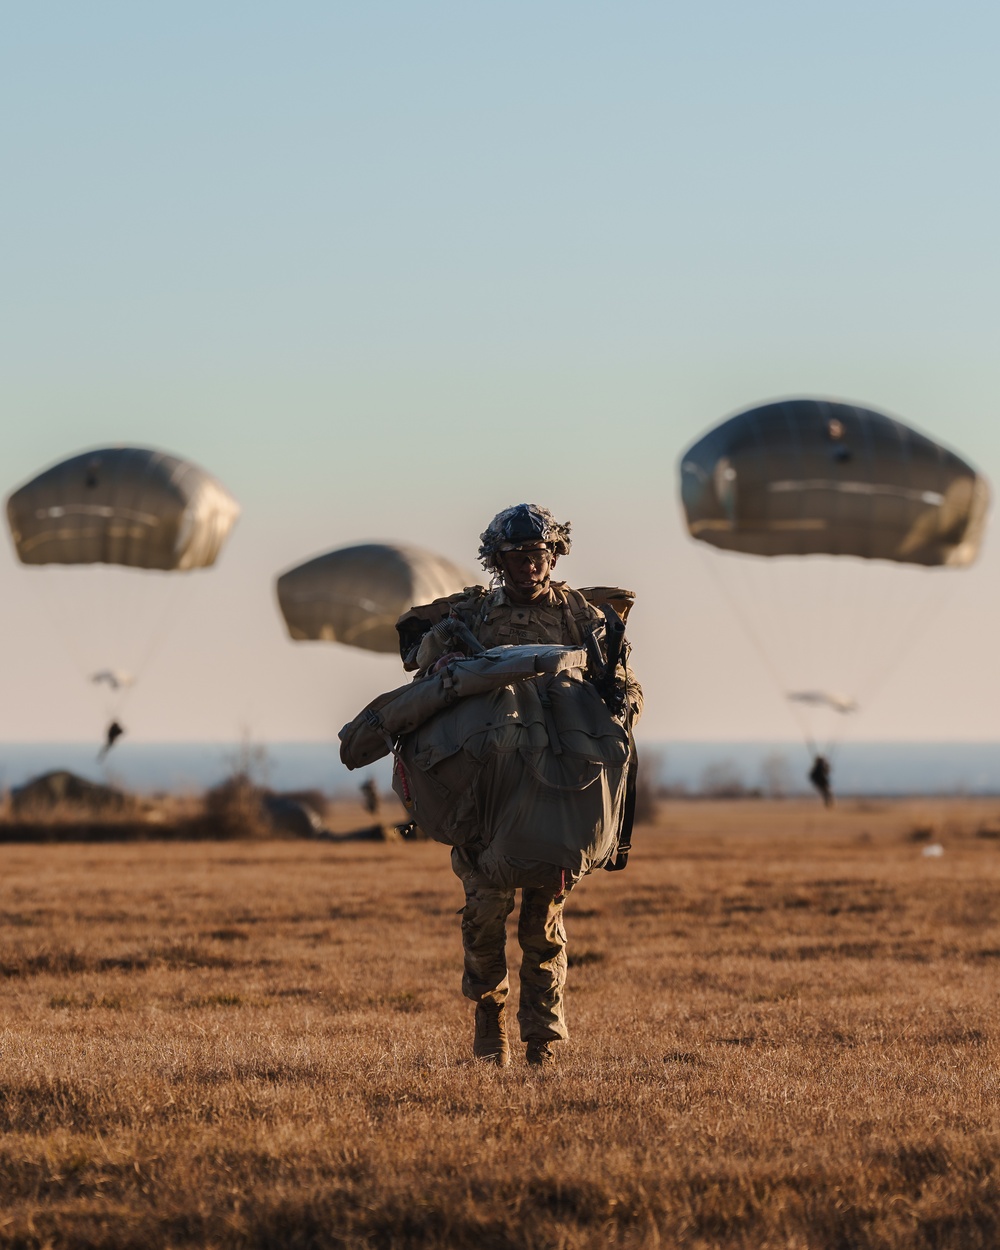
577, 610
624, 843
378, 725
572, 624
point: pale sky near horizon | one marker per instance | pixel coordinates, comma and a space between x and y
386, 268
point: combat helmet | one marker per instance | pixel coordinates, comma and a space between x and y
523, 523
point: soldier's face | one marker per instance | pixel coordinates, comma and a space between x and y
526, 572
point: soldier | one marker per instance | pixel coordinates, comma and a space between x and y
523, 605
819, 775
370, 796
111, 735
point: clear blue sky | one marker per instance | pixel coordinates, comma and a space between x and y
385, 268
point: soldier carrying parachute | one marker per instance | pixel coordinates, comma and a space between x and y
513, 745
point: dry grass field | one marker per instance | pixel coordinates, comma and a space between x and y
785, 1033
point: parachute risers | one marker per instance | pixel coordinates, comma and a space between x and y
513, 750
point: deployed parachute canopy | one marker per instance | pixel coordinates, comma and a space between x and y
826, 526
355, 595
131, 506
89, 527
810, 477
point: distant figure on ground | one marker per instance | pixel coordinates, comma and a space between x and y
113, 733
819, 775
369, 792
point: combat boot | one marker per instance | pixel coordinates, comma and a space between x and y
541, 1055
491, 1044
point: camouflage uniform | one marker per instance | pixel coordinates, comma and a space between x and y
541, 935
561, 616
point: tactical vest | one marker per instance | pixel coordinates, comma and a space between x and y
563, 617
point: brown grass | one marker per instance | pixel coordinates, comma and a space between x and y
785, 1034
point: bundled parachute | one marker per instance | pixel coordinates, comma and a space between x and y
809, 477
512, 749
130, 506
355, 595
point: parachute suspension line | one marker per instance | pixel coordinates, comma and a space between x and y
63, 629
761, 650
178, 597
842, 620
61, 634
906, 637
802, 634
850, 592
124, 590
777, 593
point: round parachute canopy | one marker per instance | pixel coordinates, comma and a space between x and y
355, 595
812, 477
132, 506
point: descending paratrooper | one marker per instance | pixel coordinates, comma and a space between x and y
136, 508
829, 527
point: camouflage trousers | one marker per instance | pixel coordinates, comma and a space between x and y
540, 933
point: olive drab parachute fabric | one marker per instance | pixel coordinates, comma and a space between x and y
355, 595
130, 506
811, 477
513, 750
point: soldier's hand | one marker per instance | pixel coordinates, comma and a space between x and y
444, 661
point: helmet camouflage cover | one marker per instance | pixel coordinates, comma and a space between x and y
517, 526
